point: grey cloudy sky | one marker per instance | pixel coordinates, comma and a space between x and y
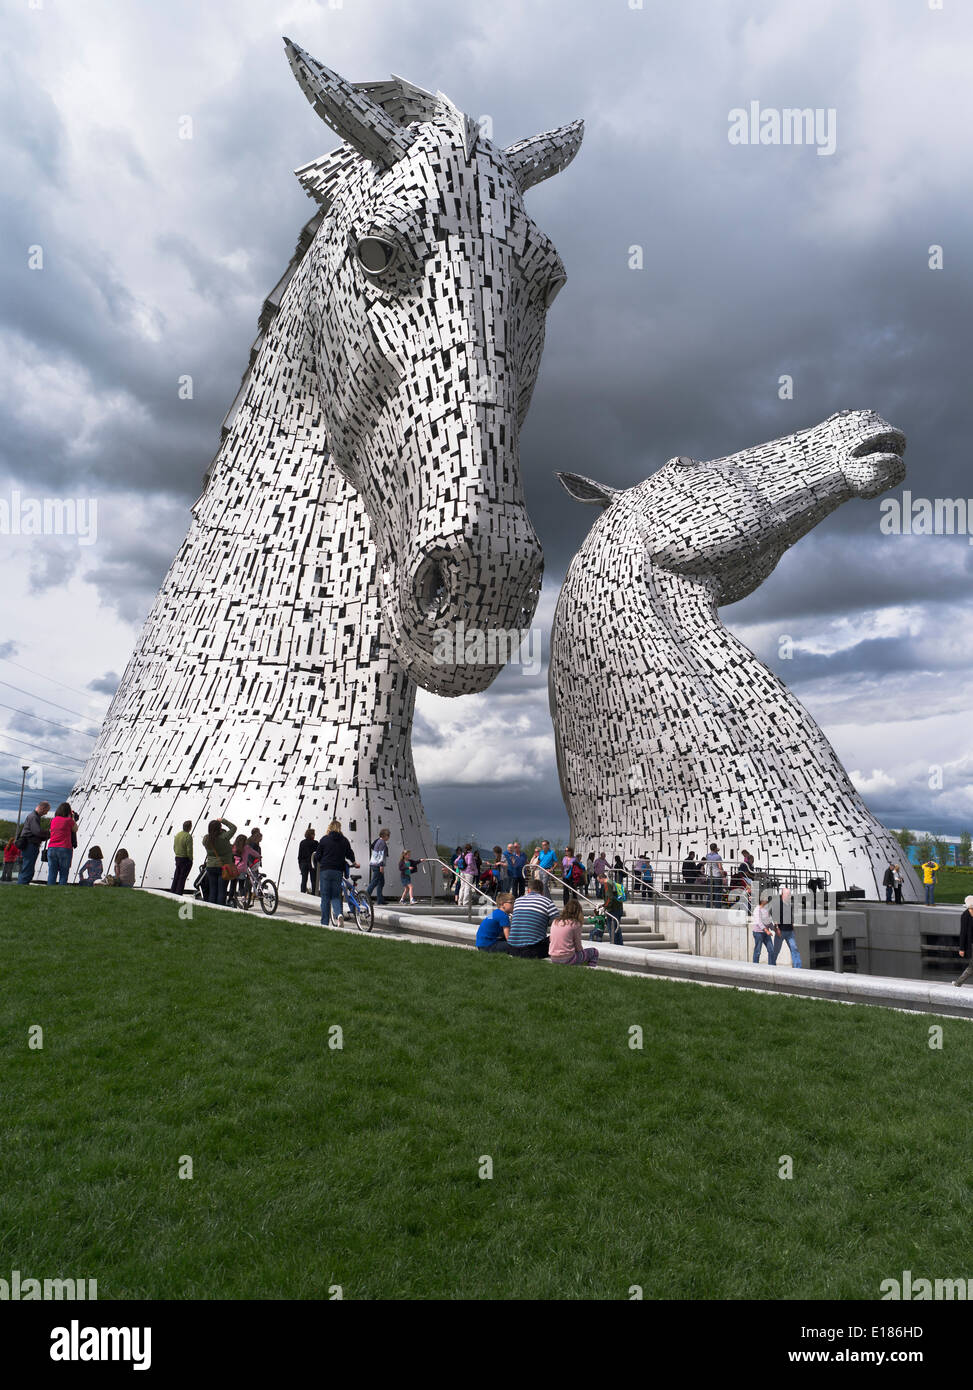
757, 261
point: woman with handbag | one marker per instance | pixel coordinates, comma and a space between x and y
219, 857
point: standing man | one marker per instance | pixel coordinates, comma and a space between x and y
929, 871
966, 940
548, 862
182, 848
380, 853
713, 871
506, 885
517, 861
32, 836
600, 867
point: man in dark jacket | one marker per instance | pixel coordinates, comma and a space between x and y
31, 837
334, 856
966, 940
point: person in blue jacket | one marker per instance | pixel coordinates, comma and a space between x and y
492, 933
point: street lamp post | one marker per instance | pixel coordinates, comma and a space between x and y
20, 804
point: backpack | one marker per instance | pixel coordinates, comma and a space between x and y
576, 874
620, 890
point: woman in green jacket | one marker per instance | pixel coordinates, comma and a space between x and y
219, 851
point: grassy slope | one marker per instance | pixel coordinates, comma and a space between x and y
359, 1167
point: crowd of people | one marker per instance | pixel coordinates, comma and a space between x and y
531, 926
56, 839
524, 920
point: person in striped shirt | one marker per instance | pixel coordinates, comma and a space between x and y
530, 923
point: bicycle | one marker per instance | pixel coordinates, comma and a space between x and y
254, 883
358, 903
251, 885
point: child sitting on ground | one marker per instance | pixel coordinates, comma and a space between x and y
492, 933
566, 947
92, 869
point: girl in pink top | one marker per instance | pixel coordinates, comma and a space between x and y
566, 947
60, 846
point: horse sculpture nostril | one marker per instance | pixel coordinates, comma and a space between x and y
431, 589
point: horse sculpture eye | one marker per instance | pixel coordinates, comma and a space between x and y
375, 254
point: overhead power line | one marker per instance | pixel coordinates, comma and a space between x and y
15, 738
54, 722
32, 696
40, 674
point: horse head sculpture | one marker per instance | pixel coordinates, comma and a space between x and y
690, 738
429, 285
727, 522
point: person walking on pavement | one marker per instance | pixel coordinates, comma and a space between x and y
376, 866
335, 854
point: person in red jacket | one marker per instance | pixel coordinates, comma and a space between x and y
10, 856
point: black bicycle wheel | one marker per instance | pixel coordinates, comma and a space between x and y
268, 896
363, 913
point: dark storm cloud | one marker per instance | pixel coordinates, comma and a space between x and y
495, 815
757, 262
833, 574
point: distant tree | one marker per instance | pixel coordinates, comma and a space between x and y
963, 848
925, 849
944, 852
905, 838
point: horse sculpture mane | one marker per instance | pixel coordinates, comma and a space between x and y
670, 733
365, 498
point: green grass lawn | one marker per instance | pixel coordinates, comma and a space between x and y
952, 885
360, 1167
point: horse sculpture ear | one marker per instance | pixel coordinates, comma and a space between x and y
586, 489
543, 155
348, 111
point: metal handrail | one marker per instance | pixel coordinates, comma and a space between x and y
790, 876
699, 924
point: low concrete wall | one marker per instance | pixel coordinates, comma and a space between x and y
915, 995
869, 938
